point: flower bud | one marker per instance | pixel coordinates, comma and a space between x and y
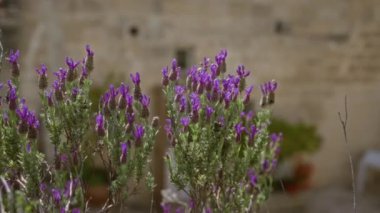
155, 122
89, 61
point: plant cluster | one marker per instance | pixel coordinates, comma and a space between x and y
125, 139
221, 152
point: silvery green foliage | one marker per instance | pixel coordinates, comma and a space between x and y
221, 153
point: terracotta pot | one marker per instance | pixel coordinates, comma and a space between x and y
97, 195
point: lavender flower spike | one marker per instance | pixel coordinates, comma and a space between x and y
56, 195
268, 90
220, 59
34, 124
248, 92
239, 130
13, 59
174, 73
72, 66
136, 81
124, 151
252, 177
123, 91
100, 125
209, 111
12, 97
145, 101
42, 77
139, 134
185, 121
165, 76
89, 60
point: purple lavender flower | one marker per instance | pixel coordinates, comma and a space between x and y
58, 90
214, 70
72, 67
248, 92
165, 76
145, 101
182, 104
195, 106
265, 165
208, 210
28, 147
129, 100
166, 207
75, 210
138, 134
112, 97
136, 82
13, 56
209, 111
12, 96
63, 159
242, 72
42, 77
89, 61
252, 133
83, 76
34, 124
100, 125
135, 79
49, 96
174, 73
61, 75
227, 99
252, 178
70, 187
123, 91
43, 187
74, 92
56, 195
130, 118
268, 89
220, 59
185, 121
195, 102
239, 130
124, 150
89, 51
13, 59
179, 91
276, 137
246, 116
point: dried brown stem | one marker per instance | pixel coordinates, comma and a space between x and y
343, 122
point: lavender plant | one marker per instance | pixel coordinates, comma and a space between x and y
126, 138
28, 182
221, 152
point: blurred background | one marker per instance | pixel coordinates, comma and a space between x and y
318, 50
